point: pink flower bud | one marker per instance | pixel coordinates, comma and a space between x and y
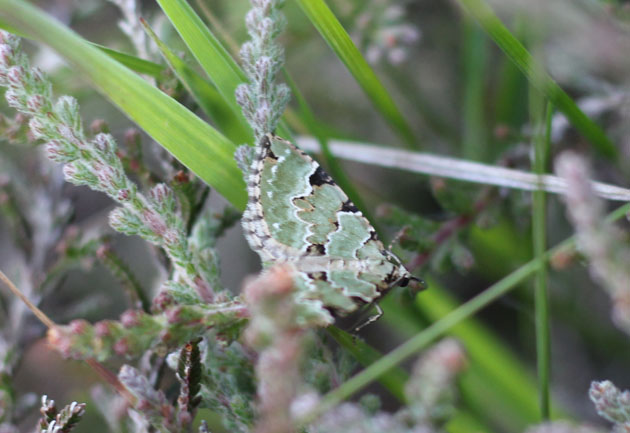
78, 326
123, 194
121, 347
16, 76
13, 99
37, 126
155, 222
98, 126
6, 56
35, 103
132, 137
103, 143
130, 318
102, 329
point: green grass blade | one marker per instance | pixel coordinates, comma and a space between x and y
208, 98
217, 63
539, 233
394, 380
338, 39
535, 73
196, 144
474, 140
134, 63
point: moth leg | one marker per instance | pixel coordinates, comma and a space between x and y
373, 318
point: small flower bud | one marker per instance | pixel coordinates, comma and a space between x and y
13, 99
16, 77
6, 56
266, 28
162, 301
123, 195
121, 347
132, 137
251, 20
155, 223
58, 152
78, 326
242, 96
39, 129
104, 144
37, 75
99, 126
102, 329
174, 315
70, 171
160, 193
130, 318
35, 103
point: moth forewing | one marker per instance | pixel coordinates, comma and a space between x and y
297, 214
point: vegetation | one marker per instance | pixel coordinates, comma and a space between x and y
492, 119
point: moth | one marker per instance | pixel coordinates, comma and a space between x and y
298, 216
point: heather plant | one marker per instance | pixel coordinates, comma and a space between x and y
190, 349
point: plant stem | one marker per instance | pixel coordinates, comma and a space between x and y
539, 235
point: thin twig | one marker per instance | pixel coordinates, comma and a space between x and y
104, 373
36, 311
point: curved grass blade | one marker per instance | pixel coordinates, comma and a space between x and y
207, 96
337, 38
536, 74
134, 63
196, 144
220, 67
214, 59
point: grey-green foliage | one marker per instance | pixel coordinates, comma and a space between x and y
228, 383
263, 100
611, 403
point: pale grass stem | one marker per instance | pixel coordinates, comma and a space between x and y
453, 168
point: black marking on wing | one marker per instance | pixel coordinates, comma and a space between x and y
317, 249
271, 155
318, 276
348, 206
265, 144
320, 177
389, 279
